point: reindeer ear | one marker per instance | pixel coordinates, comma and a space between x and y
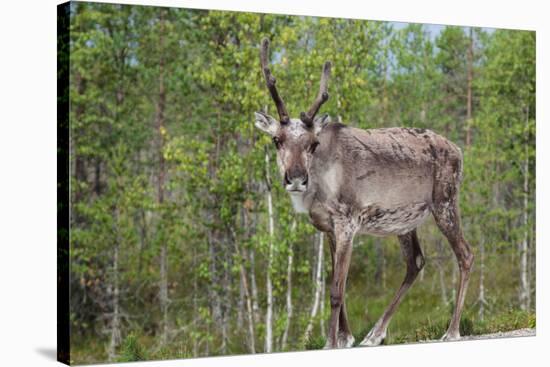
266, 123
320, 122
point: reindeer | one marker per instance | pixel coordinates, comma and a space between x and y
377, 181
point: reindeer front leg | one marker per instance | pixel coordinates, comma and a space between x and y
343, 236
345, 337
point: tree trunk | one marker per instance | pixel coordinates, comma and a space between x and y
525, 289
470, 75
269, 286
160, 123
322, 301
251, 254
163, 294
214, 296
317, 294
385, 92
242, 258
141, 223
532, 259
249, 313
79, 170
195, 302
442, 284
246, 296
288, 291
481, 299
240, 305
115, 319
439, 263
225, 296
254, 286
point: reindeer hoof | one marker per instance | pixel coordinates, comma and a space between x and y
345, 340
373, 339
450, 336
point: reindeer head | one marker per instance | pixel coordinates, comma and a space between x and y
295, 139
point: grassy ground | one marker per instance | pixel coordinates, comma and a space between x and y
433, 330
142, 347
423, 314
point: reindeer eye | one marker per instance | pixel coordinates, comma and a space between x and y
277, 142
313, 146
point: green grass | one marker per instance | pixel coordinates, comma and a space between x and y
140, 347
469, 325
315, 342
434, 330
422, 316
132, 350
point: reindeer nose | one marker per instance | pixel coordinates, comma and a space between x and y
296, 180
287, 179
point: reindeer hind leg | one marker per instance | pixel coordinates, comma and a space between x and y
415, 262
447, 216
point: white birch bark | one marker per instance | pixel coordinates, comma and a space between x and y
439, 263
317, 294
525, 291
322, 301
163, 294
115, 319
269, 286
160, 119
240, 305
254, 286
288, 292
247, 299
481, 299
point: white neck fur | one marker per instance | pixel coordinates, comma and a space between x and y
298, 203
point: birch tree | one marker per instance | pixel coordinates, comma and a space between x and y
269, 286
318, 286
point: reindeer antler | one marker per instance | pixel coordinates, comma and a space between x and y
270, 82
322, 97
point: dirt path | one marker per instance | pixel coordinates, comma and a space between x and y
501, 334
507, 334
